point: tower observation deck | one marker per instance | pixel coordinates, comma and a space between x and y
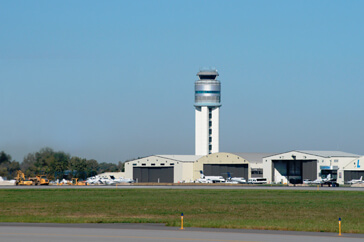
207, 112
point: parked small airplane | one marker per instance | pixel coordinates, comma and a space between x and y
235, 180
355, 181
320, 180
97, 180
107, 180
122, 180
6, 182
210, 179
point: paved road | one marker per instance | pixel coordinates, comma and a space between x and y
191, 187
153, 233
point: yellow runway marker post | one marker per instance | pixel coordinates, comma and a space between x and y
339, 226
181, 220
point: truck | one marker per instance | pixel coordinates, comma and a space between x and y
21, 180
39, 180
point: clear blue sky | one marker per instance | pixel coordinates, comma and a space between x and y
113, 80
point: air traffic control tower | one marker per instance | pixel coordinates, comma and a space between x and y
207, 112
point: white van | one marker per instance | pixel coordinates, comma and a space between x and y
257, 181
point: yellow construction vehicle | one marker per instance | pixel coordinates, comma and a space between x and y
39, 180
21, 180
75, 182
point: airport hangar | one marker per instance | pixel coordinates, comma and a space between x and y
186, 168
295, 166
354, 169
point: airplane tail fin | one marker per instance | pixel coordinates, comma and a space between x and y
328, 177
229, 175
361, 178
202, 175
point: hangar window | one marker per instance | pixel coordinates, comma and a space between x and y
134, 164
153, 164
257, 171
144, 164
162, 164
172, 164
336, 160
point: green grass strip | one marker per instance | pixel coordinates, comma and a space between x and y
248, 209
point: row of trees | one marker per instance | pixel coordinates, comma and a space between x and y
55, 164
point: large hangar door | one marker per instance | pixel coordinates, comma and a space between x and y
152, 174
164, 174
295, 170
236, 170
309, 169
350, 175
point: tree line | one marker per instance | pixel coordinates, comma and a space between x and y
54, 164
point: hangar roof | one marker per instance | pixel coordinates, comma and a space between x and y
321, 153
328, 153
253, 157
182, 158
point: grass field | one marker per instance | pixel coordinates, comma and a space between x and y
250, 209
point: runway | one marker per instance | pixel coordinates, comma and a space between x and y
153, 233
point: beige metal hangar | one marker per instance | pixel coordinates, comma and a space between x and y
237, 164
354, 169
295, 166
162, 168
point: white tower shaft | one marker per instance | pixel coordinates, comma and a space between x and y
207, 130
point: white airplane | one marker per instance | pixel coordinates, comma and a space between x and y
328, 178
64, 182
320, 180
203, 180
108, 180
122, 180
97, 180
6, 182
210, 179
93, 180
235, 180
355, 181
